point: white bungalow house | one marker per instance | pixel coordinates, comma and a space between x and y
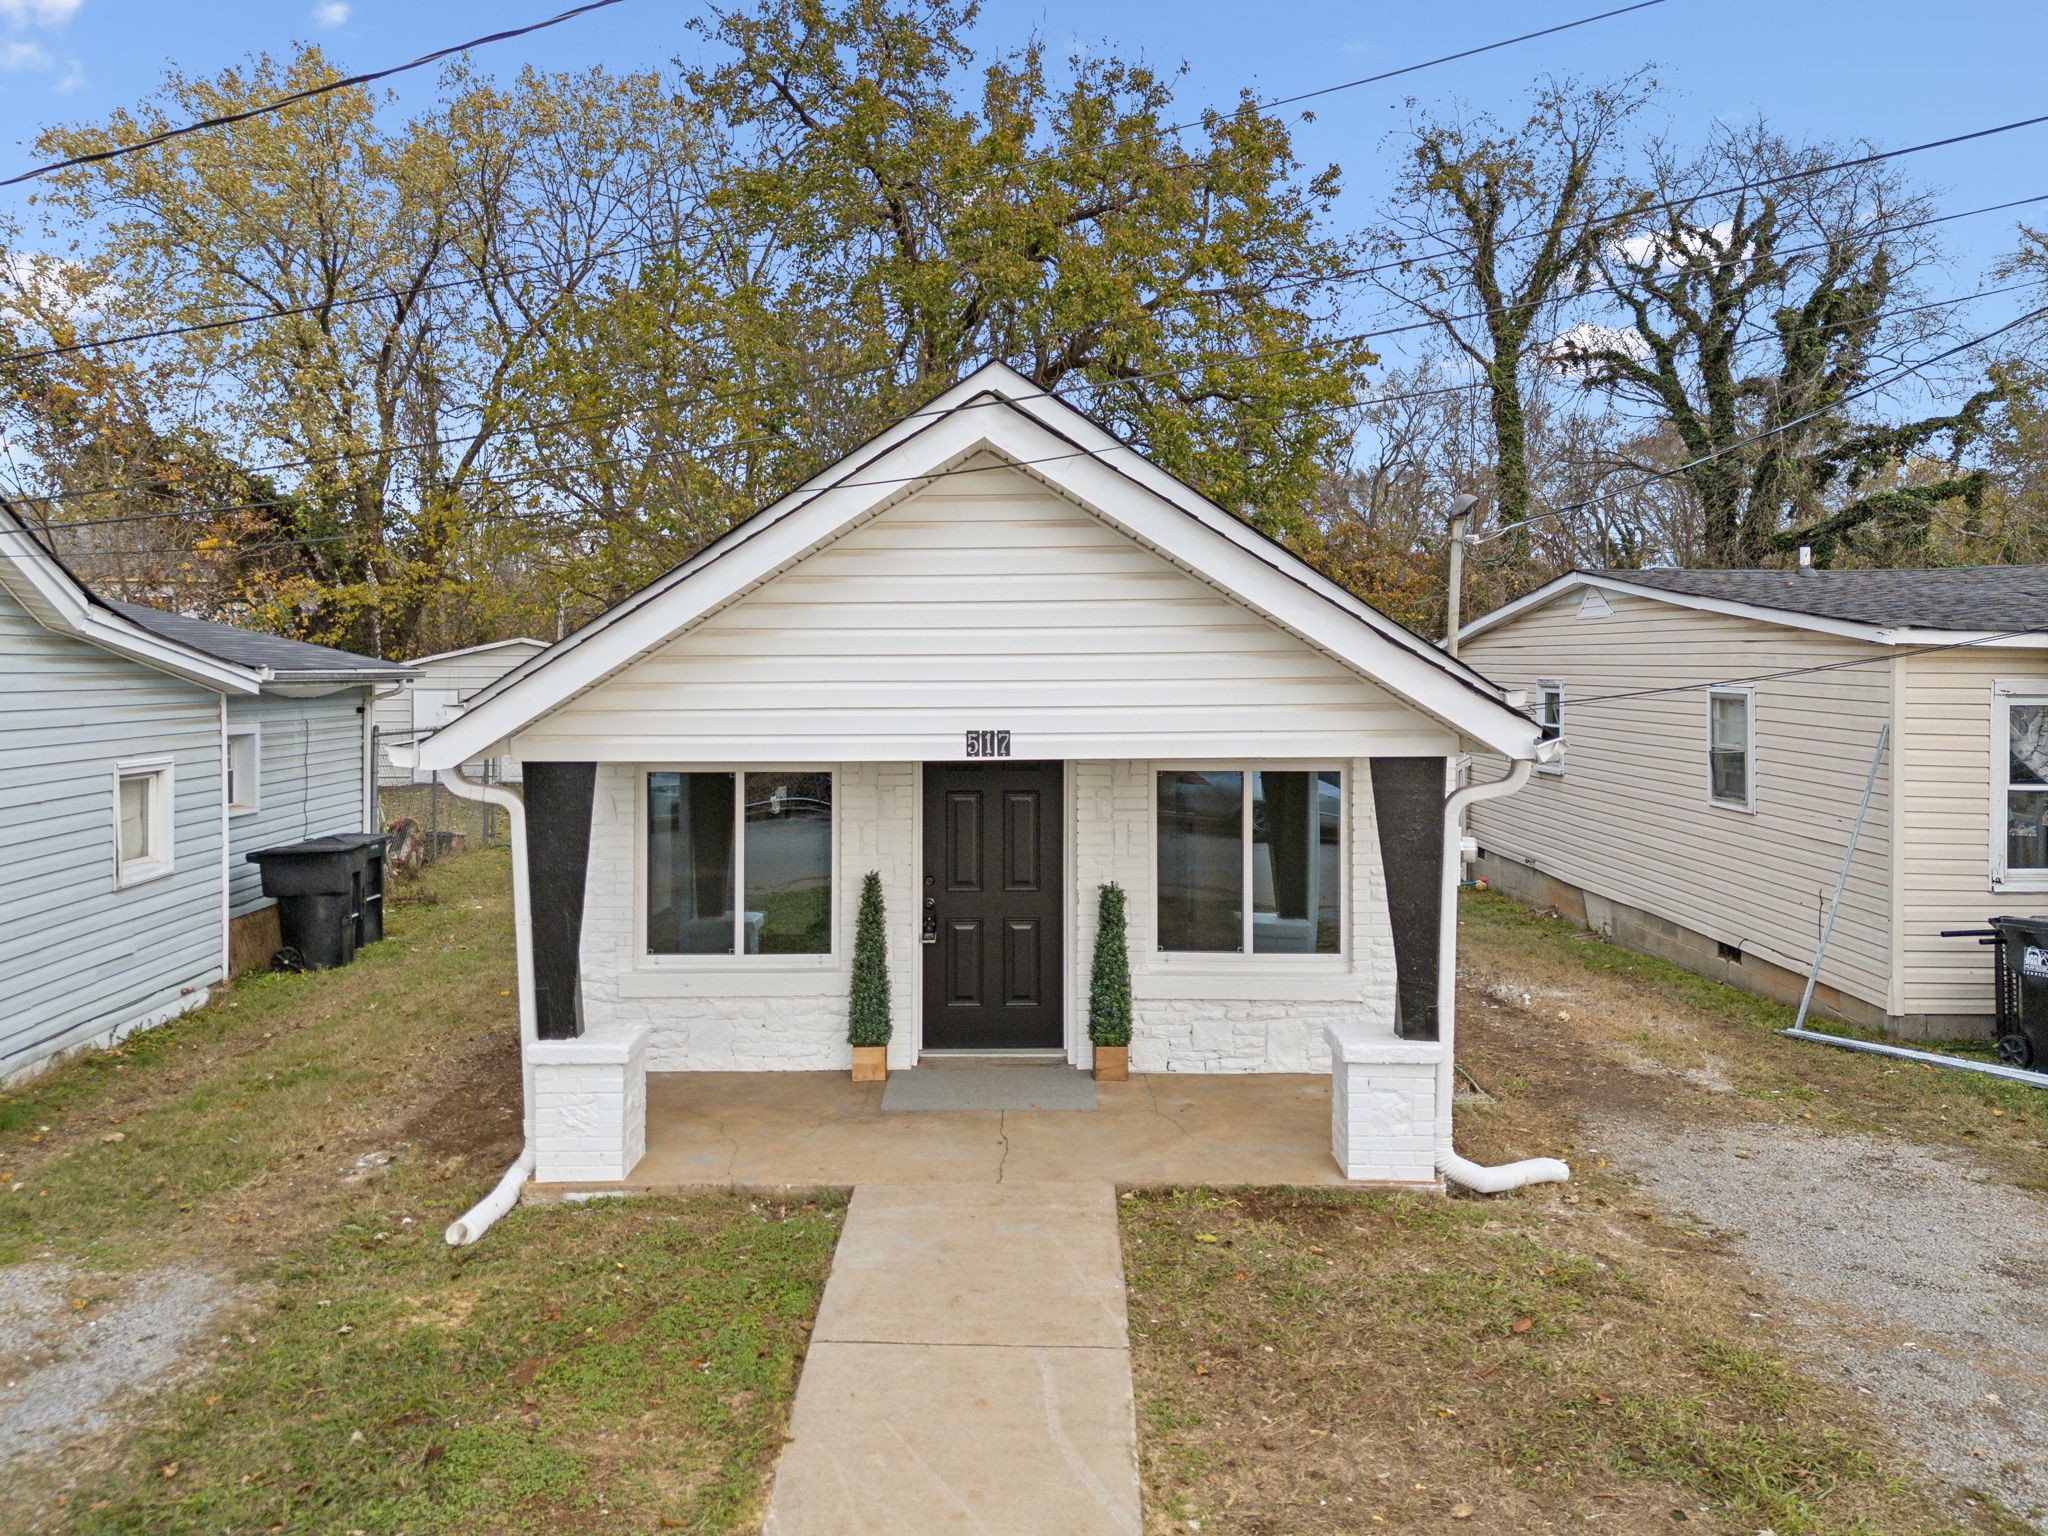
1723, 726
1001, 659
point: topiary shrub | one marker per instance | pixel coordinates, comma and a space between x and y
1109, 978
868, 1017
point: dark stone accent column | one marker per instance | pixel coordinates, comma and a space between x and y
558, 803
1408, 804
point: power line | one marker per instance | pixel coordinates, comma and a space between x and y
373, 76
1692, 198
1883, 656
1409, 69
1872, 387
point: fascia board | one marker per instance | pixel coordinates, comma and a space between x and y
60, 605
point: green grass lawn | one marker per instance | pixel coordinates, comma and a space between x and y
305, 1139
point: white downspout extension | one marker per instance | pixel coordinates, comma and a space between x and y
1533, 1170
476, 1221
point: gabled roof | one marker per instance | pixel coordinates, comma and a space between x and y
37, 580
996, 410
283, 660
1992, 604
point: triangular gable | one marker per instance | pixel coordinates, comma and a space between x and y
998, 412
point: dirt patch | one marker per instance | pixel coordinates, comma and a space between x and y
473, 1120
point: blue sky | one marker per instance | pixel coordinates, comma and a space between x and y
1885, 70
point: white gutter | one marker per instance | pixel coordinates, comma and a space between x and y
227, 869
473, 1223
1534, 1170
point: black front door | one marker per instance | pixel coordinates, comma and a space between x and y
992, 913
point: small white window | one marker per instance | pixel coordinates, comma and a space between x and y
1731, 748
2019, 787
142, 821
244, 784
1550, 719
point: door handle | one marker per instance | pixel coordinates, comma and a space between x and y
930, 933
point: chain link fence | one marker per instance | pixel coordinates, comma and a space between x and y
428, 822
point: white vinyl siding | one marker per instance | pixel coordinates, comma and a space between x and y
80, 953
1632, 819
984, 601
311, 771
1952, 756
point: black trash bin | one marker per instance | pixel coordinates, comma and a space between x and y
329, 893
2022, 991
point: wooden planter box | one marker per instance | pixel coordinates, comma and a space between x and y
870, 1063
1112, 1063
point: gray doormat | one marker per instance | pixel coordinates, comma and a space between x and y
989, 1088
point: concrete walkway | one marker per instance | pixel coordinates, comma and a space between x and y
970, 1370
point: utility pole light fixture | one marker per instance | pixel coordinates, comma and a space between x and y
1461, 517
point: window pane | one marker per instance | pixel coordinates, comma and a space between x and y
1201, 861
1731, 776
135, 827
689, 863
1297, 863
2029, 743
789, 864
1730, 715
2026, 829
1550, 716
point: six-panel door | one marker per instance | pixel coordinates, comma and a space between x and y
991, 906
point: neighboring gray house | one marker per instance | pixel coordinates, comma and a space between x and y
446, 680
142, 755
1720, 727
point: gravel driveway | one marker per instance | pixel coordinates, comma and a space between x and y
1924, 1281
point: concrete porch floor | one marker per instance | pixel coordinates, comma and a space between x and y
809, 1129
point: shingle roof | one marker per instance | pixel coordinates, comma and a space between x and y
1973, 598
287, 660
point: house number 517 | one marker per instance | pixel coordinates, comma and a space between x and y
988, 743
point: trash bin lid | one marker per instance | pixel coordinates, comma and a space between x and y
2035, 928
323, 847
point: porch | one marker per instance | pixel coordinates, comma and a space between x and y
772, 1130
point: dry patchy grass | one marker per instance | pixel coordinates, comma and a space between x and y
1312, 1362
305, 1139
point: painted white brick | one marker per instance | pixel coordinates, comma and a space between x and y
590, 1106
1383, 1105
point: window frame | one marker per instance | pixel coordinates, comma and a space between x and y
253, 734
1747, 805
160, 773
1197, 959
1547, 688
738, 959
2004, 694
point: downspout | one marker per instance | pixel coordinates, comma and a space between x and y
476, 1221
227, 868
1533, 1170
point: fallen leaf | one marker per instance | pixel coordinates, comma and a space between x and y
1523, 1324
113, 1136
1461, 1511
1205, 1237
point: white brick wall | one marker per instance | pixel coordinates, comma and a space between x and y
1383, 1106
751, 1016
1214, 1014
1223, 1014
590, 1107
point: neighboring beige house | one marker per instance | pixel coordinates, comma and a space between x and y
446, 679
1719, 729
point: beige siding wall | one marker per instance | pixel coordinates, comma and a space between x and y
1629, 818
1947, 759
983, 601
